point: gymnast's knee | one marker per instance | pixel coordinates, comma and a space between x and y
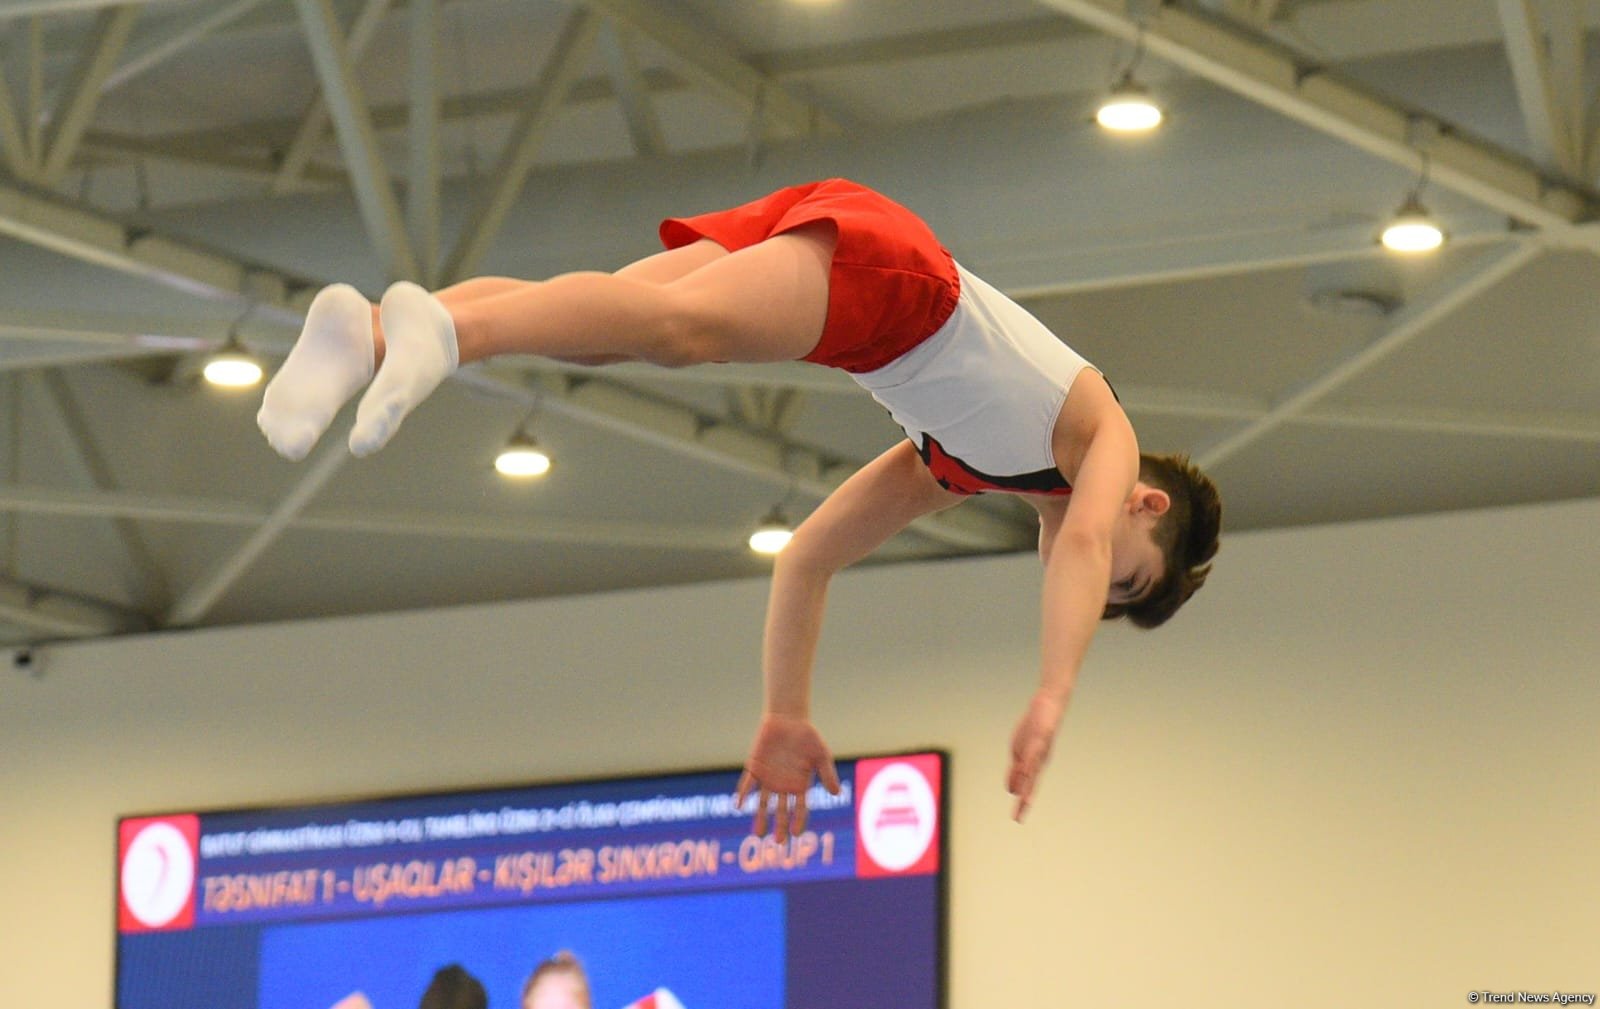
688, 331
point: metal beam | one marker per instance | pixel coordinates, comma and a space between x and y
30, 8
131, 335
15, 154
256, 168
76, 448
150, 52
516, 160
423, 178
1547, 111
56, 614
688, 433
54, 502
95, 66
633, 94
711, 60
314, 123
1181, 259
659, 81
92, 238
380, 211
200, 597
1407, 324
33, 114
60, 357
1273, 77
931, 44
775, 388
1254, 12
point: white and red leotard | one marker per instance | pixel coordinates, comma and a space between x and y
975, 381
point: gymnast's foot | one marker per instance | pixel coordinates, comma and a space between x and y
331, 360
419, 352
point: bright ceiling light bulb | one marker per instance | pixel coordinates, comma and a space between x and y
1129, 109
232, 368
1412, 230
772, 535
522, 458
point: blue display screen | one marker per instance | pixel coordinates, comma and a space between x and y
631, 893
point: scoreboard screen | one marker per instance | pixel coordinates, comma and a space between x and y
627, 893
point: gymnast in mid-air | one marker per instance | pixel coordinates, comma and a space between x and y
836, 274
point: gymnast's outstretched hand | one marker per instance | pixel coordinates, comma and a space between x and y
1030, 750
786, 753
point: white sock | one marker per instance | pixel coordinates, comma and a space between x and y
330, 361
419, 340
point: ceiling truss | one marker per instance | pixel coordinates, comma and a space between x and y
1551, 200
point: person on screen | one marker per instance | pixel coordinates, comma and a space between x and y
836, 274
558, 983
453, 988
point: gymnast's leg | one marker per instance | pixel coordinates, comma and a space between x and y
766, 302
344, 338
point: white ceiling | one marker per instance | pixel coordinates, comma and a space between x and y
173, 172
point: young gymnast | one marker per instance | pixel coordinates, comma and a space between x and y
836, 274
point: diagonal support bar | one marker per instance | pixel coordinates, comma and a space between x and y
423, 177
77, 448
633, 94
711, 60
380, 210
198, 600
314, 124
151, 52
1408, 324
111, 33
1547, 111
516, 160
15, 153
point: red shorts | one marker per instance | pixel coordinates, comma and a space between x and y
891, 285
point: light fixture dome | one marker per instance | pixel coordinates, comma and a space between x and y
232, 368
1129, 109
1412, 229
522, 458
772, 535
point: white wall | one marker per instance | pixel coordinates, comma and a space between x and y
1359, 769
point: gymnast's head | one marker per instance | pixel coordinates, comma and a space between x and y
1155, 573
453, 988
558, 983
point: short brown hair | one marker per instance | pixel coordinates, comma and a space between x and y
453, 988
1187, 535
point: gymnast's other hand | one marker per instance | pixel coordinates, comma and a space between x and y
1030, 750
786, 753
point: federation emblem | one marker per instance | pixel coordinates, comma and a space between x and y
897, 816
157, 873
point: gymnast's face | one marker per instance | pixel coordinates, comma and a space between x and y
1137, 563
557, 990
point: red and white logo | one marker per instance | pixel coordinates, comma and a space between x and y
157, 873
897, 816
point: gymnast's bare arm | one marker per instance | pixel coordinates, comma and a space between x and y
879, 500
1098, 453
